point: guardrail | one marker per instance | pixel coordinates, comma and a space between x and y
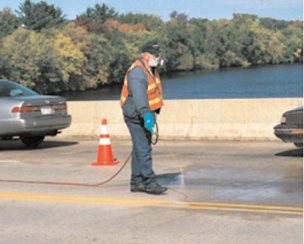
210, 119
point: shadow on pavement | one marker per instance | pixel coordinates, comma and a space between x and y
18, 145
291, 153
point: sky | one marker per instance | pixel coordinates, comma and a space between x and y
209, 9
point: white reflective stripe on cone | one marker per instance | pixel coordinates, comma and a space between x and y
104, 130
104, 141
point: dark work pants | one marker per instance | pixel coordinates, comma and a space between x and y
142, 172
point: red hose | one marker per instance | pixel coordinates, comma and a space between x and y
69, 183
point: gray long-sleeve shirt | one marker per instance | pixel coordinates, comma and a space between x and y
136, 104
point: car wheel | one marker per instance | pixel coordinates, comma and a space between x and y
32, 141
298, 144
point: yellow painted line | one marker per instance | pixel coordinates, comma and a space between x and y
246, 205
154, 203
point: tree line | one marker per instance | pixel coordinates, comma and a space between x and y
42, 50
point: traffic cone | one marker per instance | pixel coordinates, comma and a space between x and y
105, 153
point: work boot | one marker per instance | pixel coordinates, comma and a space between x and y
140, 188
156, 189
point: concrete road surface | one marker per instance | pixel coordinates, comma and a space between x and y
219, 192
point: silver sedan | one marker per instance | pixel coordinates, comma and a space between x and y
28, 116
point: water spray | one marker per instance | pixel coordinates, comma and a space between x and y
155, 140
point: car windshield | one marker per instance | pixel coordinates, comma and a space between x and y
12, 89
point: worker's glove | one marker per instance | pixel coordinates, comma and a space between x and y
149, 123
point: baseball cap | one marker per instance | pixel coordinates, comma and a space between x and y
150, 47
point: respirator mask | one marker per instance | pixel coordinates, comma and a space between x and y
157, 61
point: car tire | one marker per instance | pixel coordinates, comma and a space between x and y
32, 141
298, 144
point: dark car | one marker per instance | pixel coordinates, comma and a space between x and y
28, 116
291, 127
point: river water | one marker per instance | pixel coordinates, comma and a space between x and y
277, 81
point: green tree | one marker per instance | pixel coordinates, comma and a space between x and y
179, 47
179, 18
97, 48
38, 16
273, 24
268, 23
5, 66
150, 21
47, 65
69, 61
266, 44
92, 70
282, 24
135, 40
120, 58
243, 39
101, 13
215, 44
100, 60
293, 40
25, 50
239, 19
204, 57
8, 22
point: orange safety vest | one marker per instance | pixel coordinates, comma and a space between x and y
154, 90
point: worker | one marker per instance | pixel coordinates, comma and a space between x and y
141, 99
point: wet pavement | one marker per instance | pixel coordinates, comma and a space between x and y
251, 191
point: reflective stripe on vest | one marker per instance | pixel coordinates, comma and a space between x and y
154, 90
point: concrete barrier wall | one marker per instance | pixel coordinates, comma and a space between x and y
212, 119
